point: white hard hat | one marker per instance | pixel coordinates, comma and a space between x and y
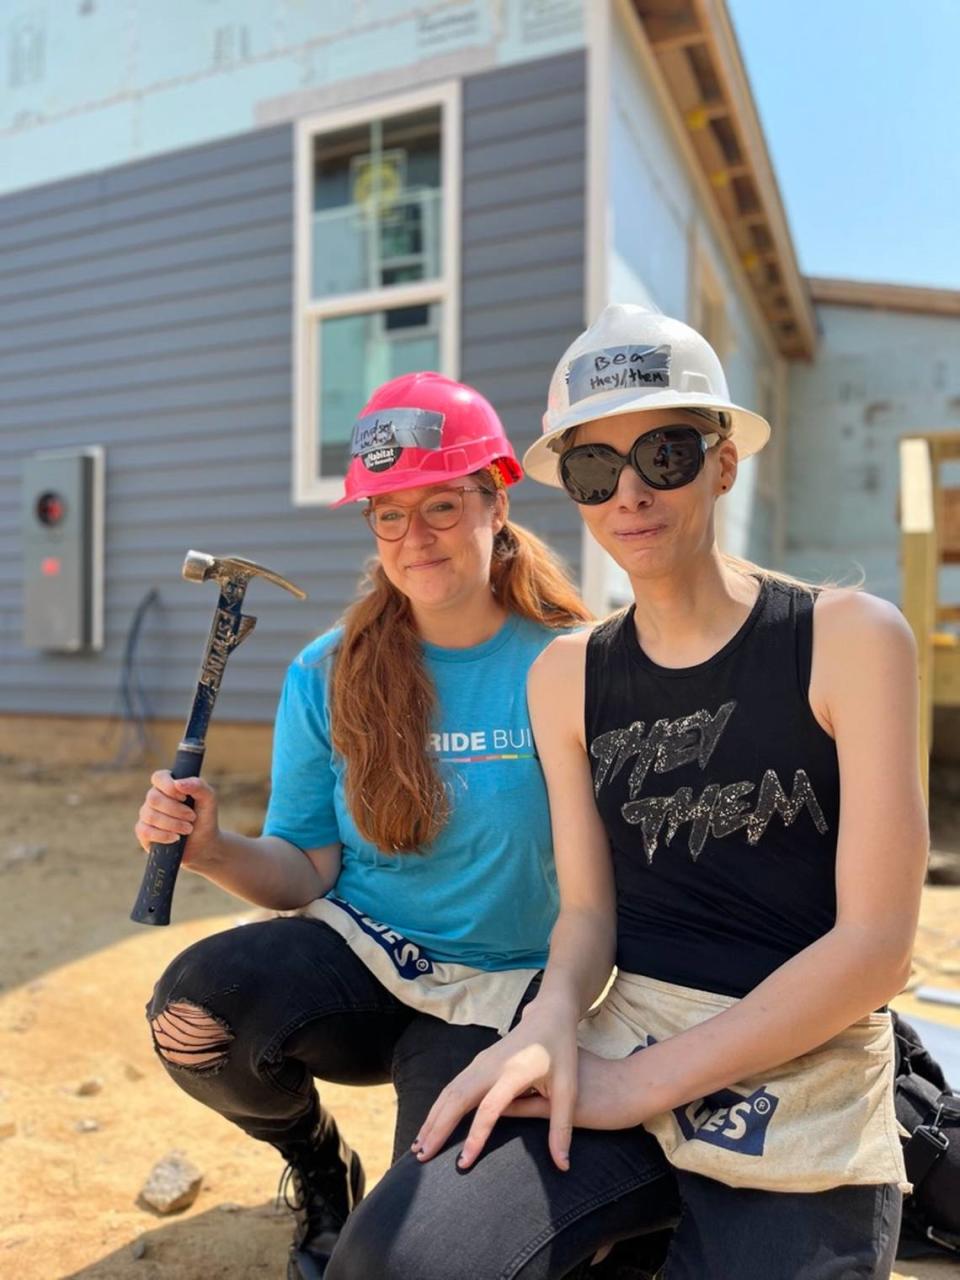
633, 358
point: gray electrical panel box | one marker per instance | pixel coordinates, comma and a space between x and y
62, 522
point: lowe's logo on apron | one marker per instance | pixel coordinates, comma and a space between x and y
406, 957
729, 1120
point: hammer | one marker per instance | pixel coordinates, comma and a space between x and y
230, 628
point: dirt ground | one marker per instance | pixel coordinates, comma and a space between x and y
85, 1110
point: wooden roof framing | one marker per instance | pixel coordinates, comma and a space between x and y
885, 297
696, 50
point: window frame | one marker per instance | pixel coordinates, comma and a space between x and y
308, 487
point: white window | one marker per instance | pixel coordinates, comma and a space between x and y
377, 266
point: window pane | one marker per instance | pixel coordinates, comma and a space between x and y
377, 204
357, 353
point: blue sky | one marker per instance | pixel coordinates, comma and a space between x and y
860, 104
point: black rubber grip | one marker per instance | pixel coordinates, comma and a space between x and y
156, 889
163, 862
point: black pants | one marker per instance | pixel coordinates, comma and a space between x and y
514, 1216
295, 1003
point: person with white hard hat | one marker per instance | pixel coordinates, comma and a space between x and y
739, 827
407, 835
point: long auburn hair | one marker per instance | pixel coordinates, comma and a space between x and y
382, 701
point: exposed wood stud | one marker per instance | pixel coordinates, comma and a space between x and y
699, 117
696, 52
721, 177
681, 40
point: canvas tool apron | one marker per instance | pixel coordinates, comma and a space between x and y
455, 993
824, 1120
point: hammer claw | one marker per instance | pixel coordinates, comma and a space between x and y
199, 566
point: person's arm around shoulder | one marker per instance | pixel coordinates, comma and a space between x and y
540, 1055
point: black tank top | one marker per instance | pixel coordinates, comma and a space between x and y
720, 794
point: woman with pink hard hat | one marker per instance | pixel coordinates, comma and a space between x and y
407, 841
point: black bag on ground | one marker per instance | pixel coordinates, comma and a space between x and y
930, 1110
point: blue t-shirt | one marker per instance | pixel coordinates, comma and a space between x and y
484, 893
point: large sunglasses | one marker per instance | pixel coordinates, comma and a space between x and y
667, 458
442, 509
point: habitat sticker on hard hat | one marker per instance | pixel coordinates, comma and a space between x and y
615, 367
378, 439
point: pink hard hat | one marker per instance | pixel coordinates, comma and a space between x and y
423, 428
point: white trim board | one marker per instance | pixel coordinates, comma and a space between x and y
307, 489
593, 559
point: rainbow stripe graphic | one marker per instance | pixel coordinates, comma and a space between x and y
500, 755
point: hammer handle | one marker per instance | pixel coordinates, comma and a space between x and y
163, 861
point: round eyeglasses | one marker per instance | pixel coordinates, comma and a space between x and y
443, 509
667, 458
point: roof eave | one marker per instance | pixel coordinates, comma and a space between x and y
879, 296
696, 48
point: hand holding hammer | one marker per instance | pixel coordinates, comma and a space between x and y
230, 628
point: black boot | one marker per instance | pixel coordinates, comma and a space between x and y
321, 1188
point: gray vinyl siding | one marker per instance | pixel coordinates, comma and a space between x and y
522, 254
148, 309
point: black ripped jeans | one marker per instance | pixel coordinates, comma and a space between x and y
295, 1003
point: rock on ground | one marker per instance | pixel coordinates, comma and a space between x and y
173, 1185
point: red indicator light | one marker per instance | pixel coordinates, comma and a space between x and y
50, 567
51, 508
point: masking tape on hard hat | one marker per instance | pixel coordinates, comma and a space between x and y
618, 368
396, 428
